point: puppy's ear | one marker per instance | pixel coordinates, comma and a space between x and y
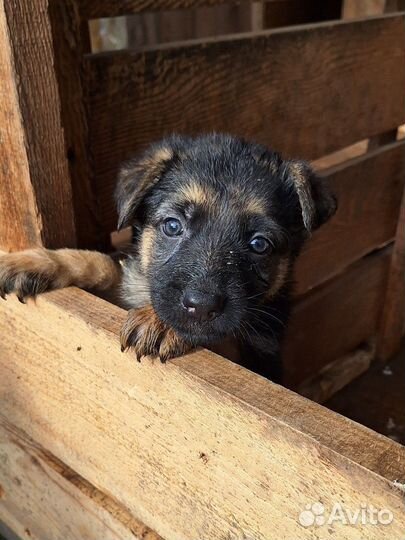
137, 177
317, 202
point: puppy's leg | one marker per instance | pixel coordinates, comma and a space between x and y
147, 335
30, 272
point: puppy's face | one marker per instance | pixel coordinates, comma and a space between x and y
221, 221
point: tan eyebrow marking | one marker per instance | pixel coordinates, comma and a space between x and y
197, 194
255, 206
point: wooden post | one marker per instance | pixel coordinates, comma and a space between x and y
46, 191
35, 192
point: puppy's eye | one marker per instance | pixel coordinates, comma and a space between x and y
172, 227
260, 245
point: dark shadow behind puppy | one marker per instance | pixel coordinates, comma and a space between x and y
218, 223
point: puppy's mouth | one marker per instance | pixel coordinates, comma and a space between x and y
202, 334
200, 324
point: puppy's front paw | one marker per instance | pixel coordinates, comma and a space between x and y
147, 335
26, 273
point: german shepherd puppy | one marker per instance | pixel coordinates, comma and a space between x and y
218, 222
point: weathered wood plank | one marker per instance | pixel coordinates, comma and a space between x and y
336, 317
338, 374
392, 324
42, 499
71, 42
36, 150
94, 9
250, 86
369, 191
198, 437
19, 223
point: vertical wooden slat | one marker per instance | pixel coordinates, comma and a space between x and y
71, 41
393, 316
35, 191
19, 223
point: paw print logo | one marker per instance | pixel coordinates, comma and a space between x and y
312, 515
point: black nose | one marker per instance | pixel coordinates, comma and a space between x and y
203, 306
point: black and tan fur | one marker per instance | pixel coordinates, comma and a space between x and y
218, 223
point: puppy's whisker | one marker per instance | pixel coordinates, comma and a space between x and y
267, 314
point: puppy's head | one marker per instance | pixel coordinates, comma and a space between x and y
220, 221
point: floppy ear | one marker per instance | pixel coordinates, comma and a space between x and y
137, 177
317, 202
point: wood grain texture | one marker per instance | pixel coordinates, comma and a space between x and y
336, 317
198, 437
250, 86
70, 43
94, 9
369, 191
338, 374
146, 29
19, 223
38, 109
392, 324
42, 499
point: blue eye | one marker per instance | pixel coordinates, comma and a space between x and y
172, 227
259, 244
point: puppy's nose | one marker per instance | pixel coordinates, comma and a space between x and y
203, 306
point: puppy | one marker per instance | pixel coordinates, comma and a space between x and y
218, 223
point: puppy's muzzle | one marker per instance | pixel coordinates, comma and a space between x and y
203, 306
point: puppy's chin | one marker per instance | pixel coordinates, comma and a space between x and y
200, 334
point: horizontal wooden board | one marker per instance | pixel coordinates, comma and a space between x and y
336, 317
369, 191
42, 499
305, 91
95, 9
198, 437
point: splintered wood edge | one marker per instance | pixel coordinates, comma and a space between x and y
361, 445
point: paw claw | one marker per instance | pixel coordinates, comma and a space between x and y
147, 335
21, 299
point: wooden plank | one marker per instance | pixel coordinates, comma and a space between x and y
250, 86
199, 436
377, 399
392, 324
147, 29
337, 374
369, 191
43, 499
94, 9
19, 224
32, 107
71, 42
335, 318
